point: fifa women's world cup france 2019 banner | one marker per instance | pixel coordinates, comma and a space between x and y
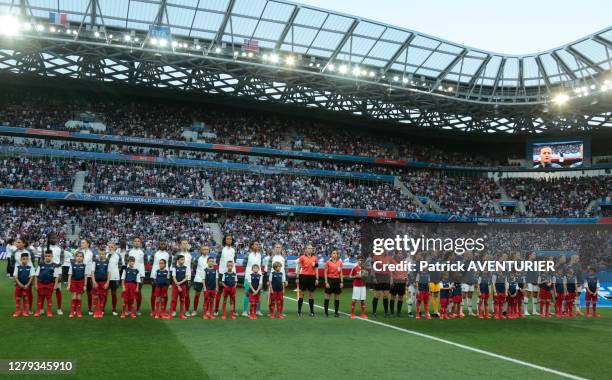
534, 255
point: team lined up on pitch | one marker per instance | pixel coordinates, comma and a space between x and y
215, 280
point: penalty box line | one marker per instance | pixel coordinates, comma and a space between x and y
463, 346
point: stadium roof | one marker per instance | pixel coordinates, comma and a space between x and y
393, 66
300, 29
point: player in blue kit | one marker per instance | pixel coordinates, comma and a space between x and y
131, 278
255, 283
456, 294
513, 296
181, 274
100, 277
229, 281
423, 281
161, 280
484, 289
278, 282
24, 275
571, 285
211, 288
76, 283
445, 291
559, 291
545, 284
500, 288
47, 277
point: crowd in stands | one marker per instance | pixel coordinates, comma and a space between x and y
32, 173
563, 197
457, 195
167, 120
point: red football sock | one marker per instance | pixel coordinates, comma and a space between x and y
217, 300
114, 300
152, 299
138, 300
89, 300
353, 307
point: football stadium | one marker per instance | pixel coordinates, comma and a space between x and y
223, 189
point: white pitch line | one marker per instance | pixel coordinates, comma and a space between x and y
468, 348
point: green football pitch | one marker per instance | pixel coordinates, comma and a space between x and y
307, 348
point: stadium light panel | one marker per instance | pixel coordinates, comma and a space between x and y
52, 29
356, 71
127, 38
41, 28
250, 54
395, 78
331, 67
371, 74
218, 50
163, 42
404, 80
290, 61
174, 44
9, 26
274, 58
342, 69
561, 98
27, 26
97, 34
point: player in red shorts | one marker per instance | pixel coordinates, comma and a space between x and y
255, 283
100, 278
591, 284
484, 288
131, 277
559, 291
161, 280
181, 274
210, 288
513, 296
24, 274
500, 287
229, 281
571, 285
456, 295
47, 277
278, 282
445, 292
422, 281
545, 284
76, 283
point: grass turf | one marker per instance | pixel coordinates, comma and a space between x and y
306, 347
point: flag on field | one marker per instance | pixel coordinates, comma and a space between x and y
250, 45
58, 18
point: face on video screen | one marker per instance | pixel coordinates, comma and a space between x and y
558, 155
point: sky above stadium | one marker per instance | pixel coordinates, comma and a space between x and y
510, 27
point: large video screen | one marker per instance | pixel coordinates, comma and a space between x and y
557, 154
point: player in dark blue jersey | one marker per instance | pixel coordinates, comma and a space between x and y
100, 277
513, 296
23, 273
500, 288
456, 297
545, 292
211, 287
571, 285
484, 290
131, 277
559, 292
160, 275
76, 283
278, 282
229, 281
255, 283
422, 281
47, 277
181, 274
445, 292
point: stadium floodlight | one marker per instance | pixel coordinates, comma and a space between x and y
274, 58
264, 57
75, 32
9, 26
342, 69
110, 36
68, 31
404, 80
440, 88
97, 34
136, 39
604, 88
290, 61
250, 54
356, 71
450, 88
331, 67
198, 47
163, 42
40, 28
592, 87
27, 26
153, 41
52, 29
244, 54
607, 82
127, 38
218, 50
318, 65
174, 44
371, 74
396, 78
561, 98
